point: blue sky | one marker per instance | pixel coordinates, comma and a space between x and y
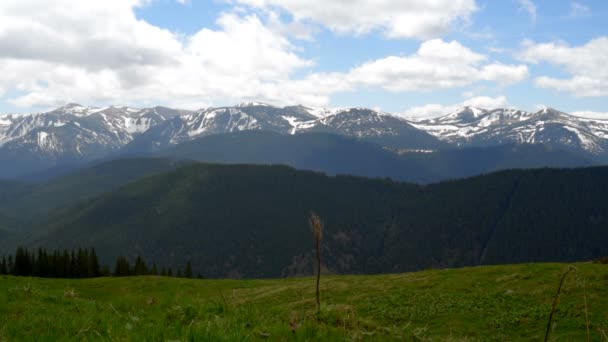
419, 58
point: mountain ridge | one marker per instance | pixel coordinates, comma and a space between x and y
76, 133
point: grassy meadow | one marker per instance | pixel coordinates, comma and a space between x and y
491, 303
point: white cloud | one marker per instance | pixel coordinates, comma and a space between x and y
429, 111
396, 19
57, 51
436, 110
591, 114
436, 65
183, 2
91, 34
578, 10
54, 51
586, 64
529, 7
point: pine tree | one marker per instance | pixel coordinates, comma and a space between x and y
154, 270
188, 272
23, 262
10, 265
83, 263
3, 268
140, 267
122, 268
67, 265
74, 271
94, 269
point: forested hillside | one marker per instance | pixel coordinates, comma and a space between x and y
251, 221
334, 154
23, 203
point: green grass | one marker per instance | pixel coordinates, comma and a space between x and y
470, 304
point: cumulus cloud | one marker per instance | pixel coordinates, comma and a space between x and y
586, 64
54, 51
436, 65
396, 19
436, 110
57, 51
93, 35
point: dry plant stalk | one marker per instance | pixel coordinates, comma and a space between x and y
316, 226
555, 300
586, 312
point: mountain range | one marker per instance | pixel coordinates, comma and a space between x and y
75, 134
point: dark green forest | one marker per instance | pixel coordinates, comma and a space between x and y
78, 263
251, 221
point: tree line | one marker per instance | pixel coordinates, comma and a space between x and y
79, 263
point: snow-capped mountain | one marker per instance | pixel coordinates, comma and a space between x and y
361, 123
370, 125
478, 127
72, 133
76, 133
77, 129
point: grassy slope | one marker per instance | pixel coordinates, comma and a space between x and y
485, 303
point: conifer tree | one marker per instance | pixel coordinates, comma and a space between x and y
67, 265
140, 267
94, 269
188, 272
10, 265
3, 268
122, 268
74, 271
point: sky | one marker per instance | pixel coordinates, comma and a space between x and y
416, 58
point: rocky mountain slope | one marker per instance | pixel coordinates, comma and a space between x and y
75, 133
477, 127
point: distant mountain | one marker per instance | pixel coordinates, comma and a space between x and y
70, 136
73, 134
328, 153
477, 127
372, 126
251, 221
334, 154
364, 124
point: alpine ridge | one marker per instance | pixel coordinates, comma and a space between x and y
74, 133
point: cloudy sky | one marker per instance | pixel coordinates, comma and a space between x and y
419, 57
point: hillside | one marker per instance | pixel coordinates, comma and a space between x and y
333, 154
328, 153
495, 303
250, 221
22, 203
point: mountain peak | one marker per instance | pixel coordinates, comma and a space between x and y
74, 109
